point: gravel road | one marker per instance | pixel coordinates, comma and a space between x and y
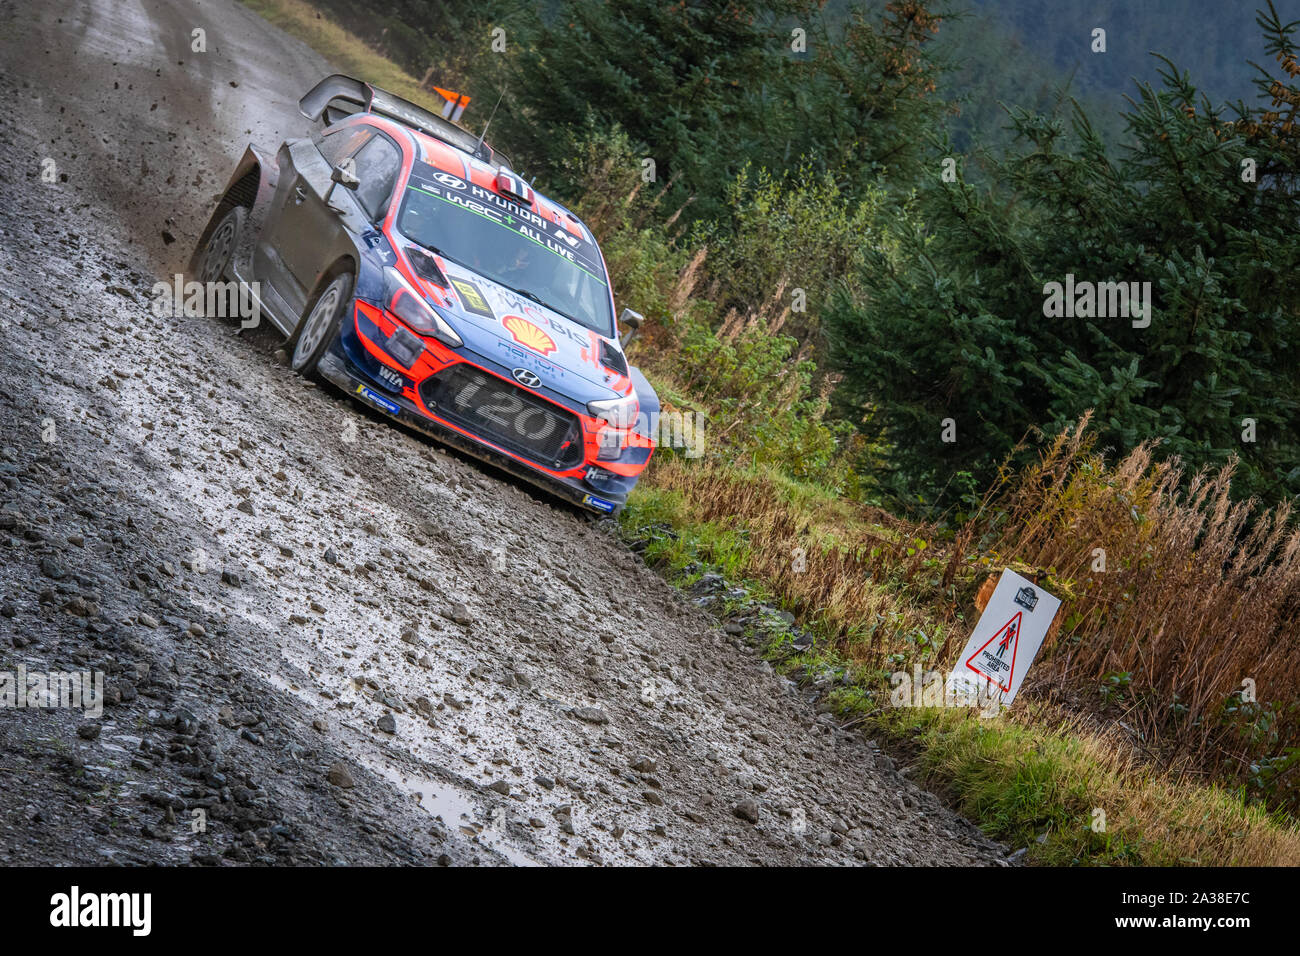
326, 640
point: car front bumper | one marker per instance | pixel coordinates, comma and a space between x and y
337, 368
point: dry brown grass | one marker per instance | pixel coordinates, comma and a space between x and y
1199, 592
342, 49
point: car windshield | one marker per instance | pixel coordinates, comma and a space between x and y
507, 243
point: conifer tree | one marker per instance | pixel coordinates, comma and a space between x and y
1204, 206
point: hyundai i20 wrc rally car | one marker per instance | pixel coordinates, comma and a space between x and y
410, 266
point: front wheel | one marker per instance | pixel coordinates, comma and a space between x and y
316, 332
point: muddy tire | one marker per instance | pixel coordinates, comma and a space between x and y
320, 324
212, 264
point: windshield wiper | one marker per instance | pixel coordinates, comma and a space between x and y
532, 295
540, 301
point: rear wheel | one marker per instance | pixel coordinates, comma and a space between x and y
316, 332
219, 250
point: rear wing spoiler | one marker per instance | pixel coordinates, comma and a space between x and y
338, 96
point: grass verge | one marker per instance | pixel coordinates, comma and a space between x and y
1073, 799
1035, 777
301, 20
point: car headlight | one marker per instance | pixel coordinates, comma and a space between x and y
401, 299
619, 412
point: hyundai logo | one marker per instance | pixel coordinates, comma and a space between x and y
526, 378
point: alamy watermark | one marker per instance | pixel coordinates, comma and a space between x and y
678, 430
75, 909
1098, 300
918, 688
211, 300
41, 690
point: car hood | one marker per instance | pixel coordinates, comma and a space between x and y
514, 331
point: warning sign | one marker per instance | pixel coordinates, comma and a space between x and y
1006, 637
998, 662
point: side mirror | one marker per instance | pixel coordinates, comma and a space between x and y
631, 321
341, 175
345, 177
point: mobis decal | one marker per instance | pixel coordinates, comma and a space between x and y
508, 301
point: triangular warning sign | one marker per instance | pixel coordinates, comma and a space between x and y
998, 662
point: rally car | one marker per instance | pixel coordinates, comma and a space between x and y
408, 264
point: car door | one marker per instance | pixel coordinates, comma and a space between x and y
304, 227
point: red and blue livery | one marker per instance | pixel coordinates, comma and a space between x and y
408, 264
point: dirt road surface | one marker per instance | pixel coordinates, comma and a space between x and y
325, 640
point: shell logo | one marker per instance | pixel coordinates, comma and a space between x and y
525, 333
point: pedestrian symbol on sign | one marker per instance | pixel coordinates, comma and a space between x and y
1002, 645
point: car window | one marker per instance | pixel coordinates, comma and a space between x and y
377, 166
510, 244
337, 144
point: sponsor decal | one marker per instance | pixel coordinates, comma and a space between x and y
525, 333
379, 246
515, 355
504, 211
389, 406
392, 379
600, 504
507, 301
564, 328
472, 298
487, 202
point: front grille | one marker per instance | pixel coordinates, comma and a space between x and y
506, 415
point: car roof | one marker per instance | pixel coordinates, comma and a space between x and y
448, 158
